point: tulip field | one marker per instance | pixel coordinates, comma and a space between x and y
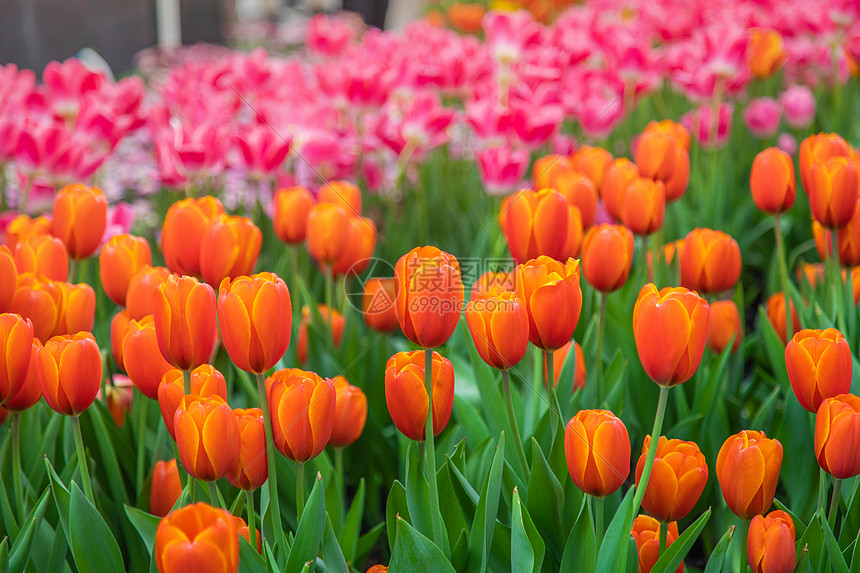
530, 287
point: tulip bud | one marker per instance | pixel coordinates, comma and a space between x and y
251, 469
343, 193
30, 391
592, 162
16, 343
141, 288
765, 53
77, 309
326, 232
406, 393
711, 261
331, 318
553, 300
817, 148
499, 326
819, 366
833, 191
619, 175
8, 278
723, 325
772, 181
775, 306
205, 381
183, 231
229, 249
678, 477
837, 426
378, 304
597, 448
646, 534
207, 436
255, 315
292, 206
350, 413
670, 327
243, 530
79, 219
557, 172
142, 358
40, 300
44, 255
748, 468
184, 314
360, 242
118, 396
643, 206
303, 407
559, 356
770, 545
119, 260
607, 256
430, 295
537, 224
655, 154
165, 489
70, 372
197, 537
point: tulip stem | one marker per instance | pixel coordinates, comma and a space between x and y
24, 204
652, 449
512, 417
252, 528
213, 494
300, 490
601, 325
73, 268
554, 406
834, 502
82, 459
836, 282
656, 260
745, 532
338, 473
16, 465
274, 506
664, 535
598, 521
141, 431
186, 382
782, 268
430, 450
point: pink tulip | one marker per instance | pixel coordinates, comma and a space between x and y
799, 106
698, 121
502, 169
762, 116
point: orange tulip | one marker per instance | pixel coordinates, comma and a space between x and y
141, 357
79, 219
207, 436
16, 343
184, 313
663, 152
182, 233
466, 17
165, 489
333, 317
557, 172
833, 191
251, 469
812, 273
118, 396
597, 448
243, 530
379, 568
8, 278
723, 325
592, 162
847, 238
256, 317
817, 148
559, 356
646, 534
327, 231
78, 308
292, 206
548, 169
607, 256
553, 300
303, 407
619, 175
40, 300
360, 242
23, 226
499, 326
670, 327
770, 546
430, 295
643, 206
406, 394
775, 306
30, 391
537, 224
70, 372
119, 260
678, 477
772, 181
748, 468
43, 254
118, 324
492, 283
711, 261
378, 306
141, 289
205, 381
341, 193
837, 426
765, 53
350, 413
195, 538
819, 366
229, 249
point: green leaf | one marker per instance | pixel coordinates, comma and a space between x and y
483, 526
833, 550
395, 506
527, 547
613, 551
93, 546
367, 542
249, 560
332, 554
718, 555
20, 552
348, 537
414, 553
812, 539
672, 557
62, 498
309, 533
580, 551
146, 524
544, 500
460, 552
4, 555
417, 494
855, 557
